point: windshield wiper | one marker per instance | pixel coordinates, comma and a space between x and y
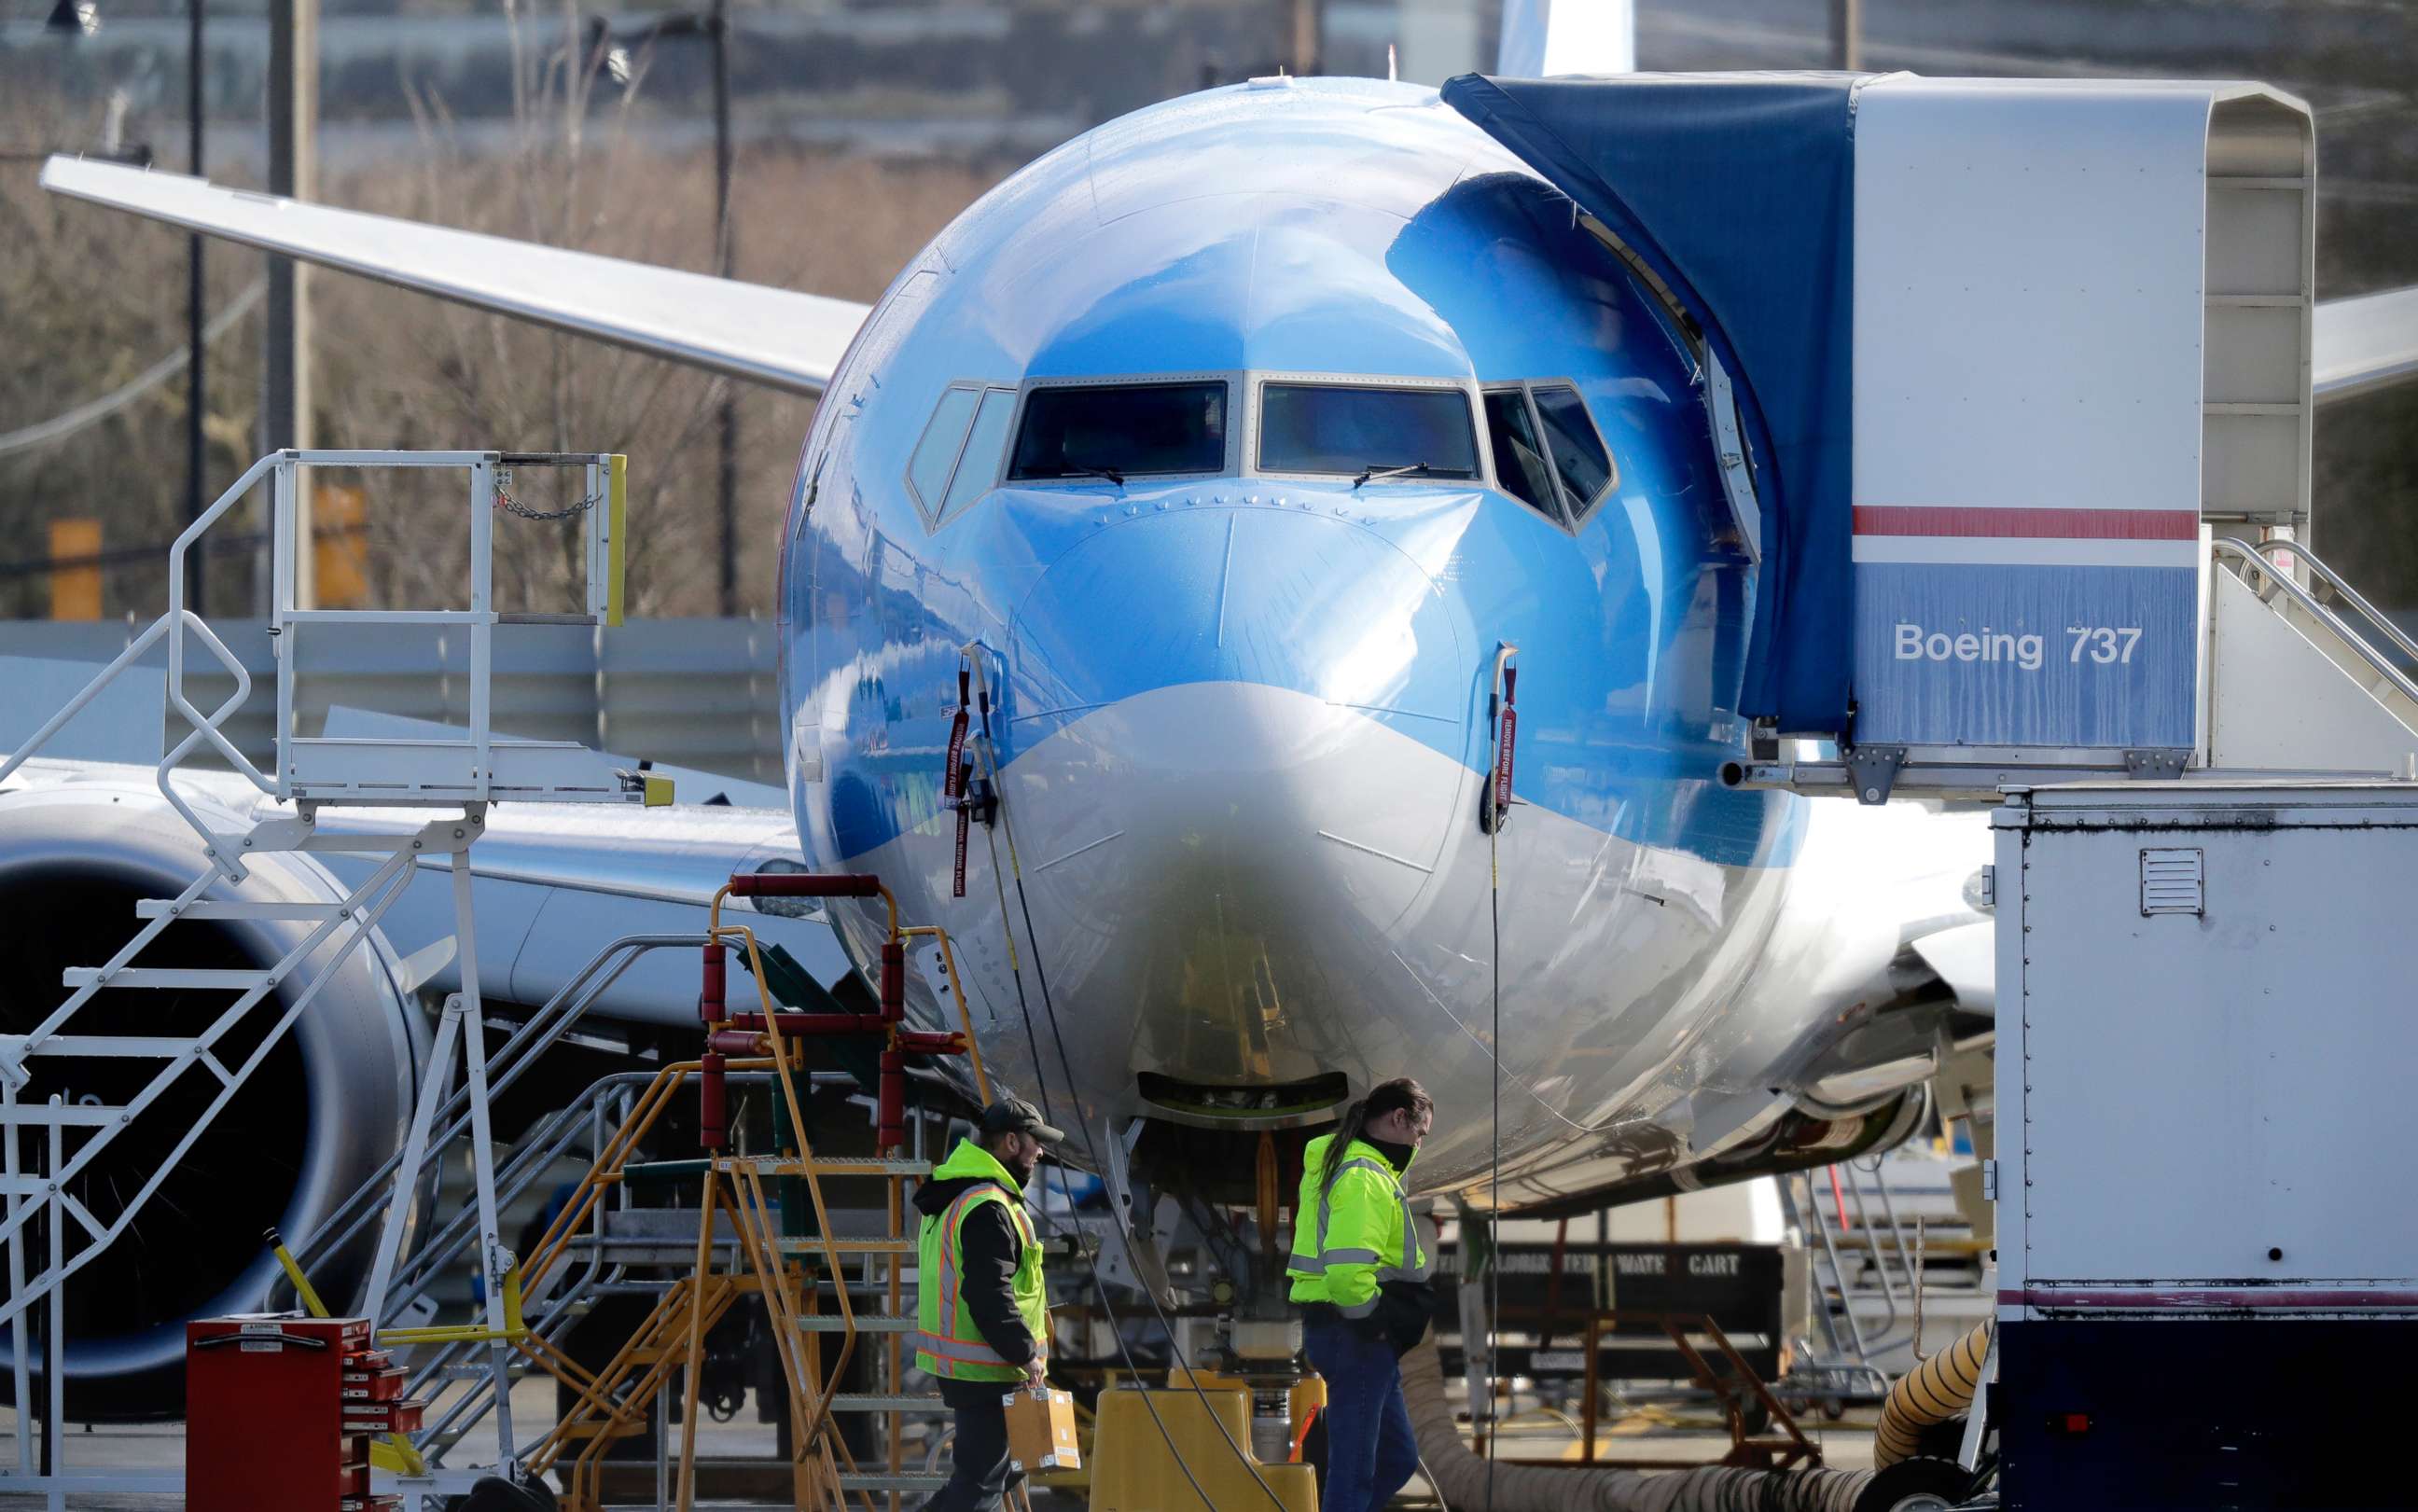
1374, 471
1076, 470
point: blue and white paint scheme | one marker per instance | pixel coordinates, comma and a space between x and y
1242, 715
1241, 696
1241, 710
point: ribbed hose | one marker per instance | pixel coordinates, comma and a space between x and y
1461, 1476
1931, 1392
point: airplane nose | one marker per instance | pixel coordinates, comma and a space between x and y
1247, 759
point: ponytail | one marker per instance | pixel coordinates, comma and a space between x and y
1400, 1095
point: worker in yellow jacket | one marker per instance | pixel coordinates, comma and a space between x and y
1361, 1275
982, 1310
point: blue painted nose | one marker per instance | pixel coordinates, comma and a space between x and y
1281, 598
1238, 750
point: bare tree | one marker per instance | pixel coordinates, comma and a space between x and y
89, 297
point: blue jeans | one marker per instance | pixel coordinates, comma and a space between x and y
1369, 1451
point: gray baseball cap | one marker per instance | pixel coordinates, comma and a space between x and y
1016, 1114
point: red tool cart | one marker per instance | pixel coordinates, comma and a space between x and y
279, 1410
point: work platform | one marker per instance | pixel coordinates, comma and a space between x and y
47, 1139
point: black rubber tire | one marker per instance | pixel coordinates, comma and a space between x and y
1919, 1485
497, 1494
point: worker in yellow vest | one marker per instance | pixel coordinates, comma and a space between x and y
982, 1316
1360, 1277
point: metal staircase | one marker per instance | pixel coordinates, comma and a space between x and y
760, 1229
38, 1178
2311, 676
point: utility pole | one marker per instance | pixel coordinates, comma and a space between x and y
1847, 35
725, 258
197, 559
1305, 38
285, 341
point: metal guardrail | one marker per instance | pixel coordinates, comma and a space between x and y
2267, 576
553, 1305
696, 692
542, 1028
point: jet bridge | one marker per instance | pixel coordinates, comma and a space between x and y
1998, 366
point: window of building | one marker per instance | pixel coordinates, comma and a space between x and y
1366, 432
1520, 466
1579, 459
1119, 431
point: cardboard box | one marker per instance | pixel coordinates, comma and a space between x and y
1041, 1432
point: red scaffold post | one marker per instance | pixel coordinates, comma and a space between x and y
713, 1103
894, 979
710, 1005
891, 1126
754, 1033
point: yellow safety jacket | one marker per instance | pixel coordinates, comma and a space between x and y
1353, 1234
948, 1343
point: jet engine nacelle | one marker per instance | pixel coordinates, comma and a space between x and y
325, 1107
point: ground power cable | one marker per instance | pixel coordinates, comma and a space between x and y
1033, 1044
1175, 1349
1504, 725
1041, 1082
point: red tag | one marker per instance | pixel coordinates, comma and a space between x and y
958, 878
1503, 744
953, 781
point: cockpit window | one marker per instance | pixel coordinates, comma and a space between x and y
944, 437
1099, 431
1520, 464
979, 463
1330, 428
1580, 460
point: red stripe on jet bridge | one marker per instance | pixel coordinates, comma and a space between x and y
2202, 1298
2061, 525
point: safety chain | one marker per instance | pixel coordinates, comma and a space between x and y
513, 506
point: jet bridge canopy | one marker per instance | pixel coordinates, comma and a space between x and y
1737, 193
1997, 348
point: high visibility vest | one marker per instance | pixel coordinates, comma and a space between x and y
948, 1343
1354, 1234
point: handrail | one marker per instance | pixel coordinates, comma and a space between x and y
516, 1055
539, 1147
462, 1414
2226, 546
2337, 583
176, 616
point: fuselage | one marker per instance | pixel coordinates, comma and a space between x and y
1242, 693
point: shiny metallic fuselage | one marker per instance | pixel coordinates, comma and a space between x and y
1242, 716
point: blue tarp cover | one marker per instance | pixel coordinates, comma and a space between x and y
1738, 190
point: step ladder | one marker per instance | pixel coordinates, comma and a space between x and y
810, 1307
40, 1176
1895, 1270
583, 1259
791, 1268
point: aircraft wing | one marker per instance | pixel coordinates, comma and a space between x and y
553, 884
770, 336
793, 340
2364, 344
